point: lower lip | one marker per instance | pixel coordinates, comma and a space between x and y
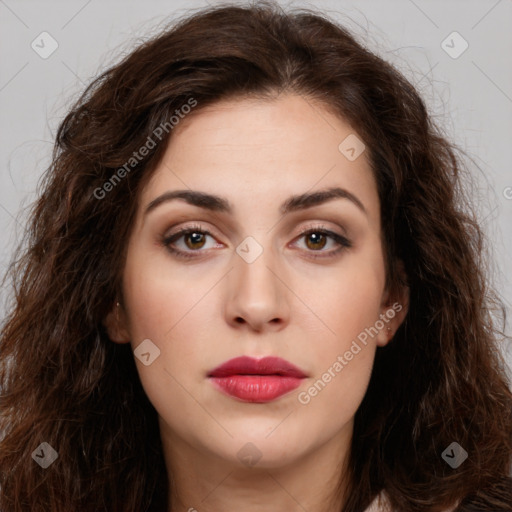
256, 388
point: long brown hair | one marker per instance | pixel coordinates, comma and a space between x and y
65, 383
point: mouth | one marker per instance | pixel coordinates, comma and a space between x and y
256, 380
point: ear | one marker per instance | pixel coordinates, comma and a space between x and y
116, 324
394, 308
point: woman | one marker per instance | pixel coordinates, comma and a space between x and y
249, 283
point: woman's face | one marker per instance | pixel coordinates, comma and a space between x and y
255, 286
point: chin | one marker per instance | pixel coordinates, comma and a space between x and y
260, 451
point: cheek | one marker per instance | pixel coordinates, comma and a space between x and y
349, 307
350, 301
169, 308
332, 398
159, 295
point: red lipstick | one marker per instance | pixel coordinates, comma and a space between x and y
256, 380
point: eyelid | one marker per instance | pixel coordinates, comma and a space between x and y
166, 239
320, 226
341, 240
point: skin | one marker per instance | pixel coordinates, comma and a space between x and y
208, 309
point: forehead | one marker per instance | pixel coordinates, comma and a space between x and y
262, 149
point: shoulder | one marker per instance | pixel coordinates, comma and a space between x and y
381, 504
495, 497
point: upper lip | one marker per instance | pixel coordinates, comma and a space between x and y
250, 366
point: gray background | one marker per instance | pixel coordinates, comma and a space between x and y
470, 96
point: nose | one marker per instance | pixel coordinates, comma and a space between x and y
257, 295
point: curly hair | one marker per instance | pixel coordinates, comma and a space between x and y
64, 382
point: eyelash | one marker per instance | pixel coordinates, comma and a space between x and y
343, 242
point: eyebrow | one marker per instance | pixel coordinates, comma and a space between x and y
219, 204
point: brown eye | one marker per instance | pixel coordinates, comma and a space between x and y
315, 240
188, 242
197, 240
